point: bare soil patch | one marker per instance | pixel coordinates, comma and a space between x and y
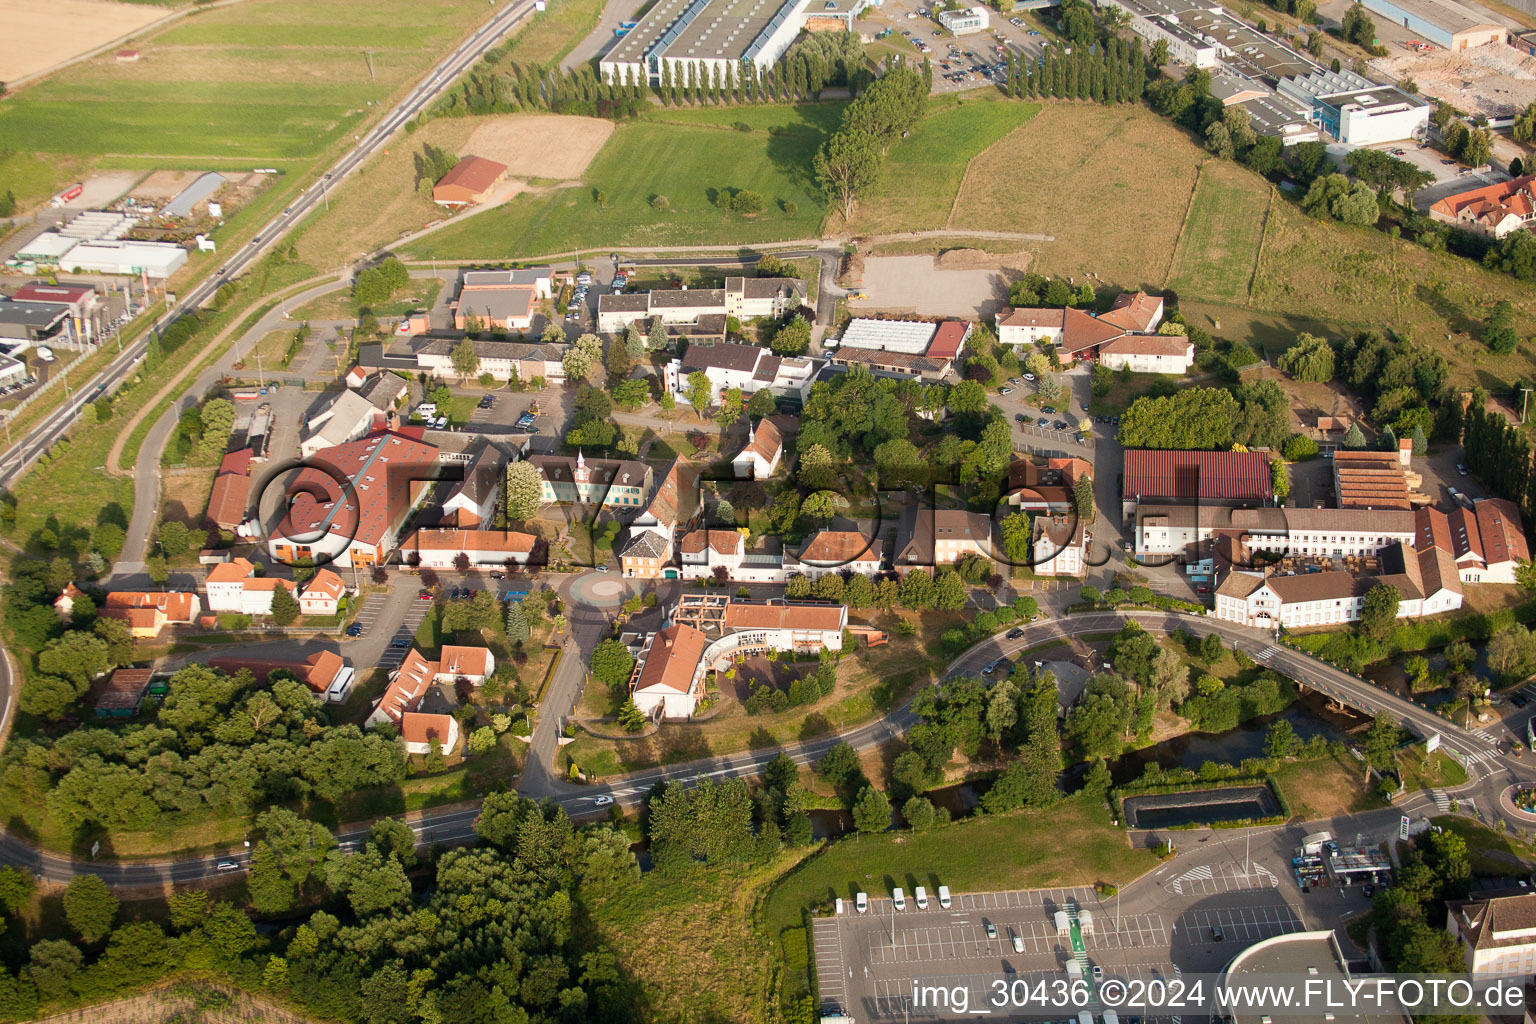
37, 38
540, 145
185, 494
165, 185
1495, 79
918, 284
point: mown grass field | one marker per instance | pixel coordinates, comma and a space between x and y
1021, 850
1220, 244
263, 80
923, 172
689, 159
1110, 184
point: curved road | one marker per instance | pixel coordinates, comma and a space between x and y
54, 425
449, 824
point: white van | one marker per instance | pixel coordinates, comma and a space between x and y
900, 899
861, 902
922, 898
944, 896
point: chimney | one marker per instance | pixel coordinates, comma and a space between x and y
1404, 451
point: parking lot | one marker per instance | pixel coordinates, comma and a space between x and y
972, 60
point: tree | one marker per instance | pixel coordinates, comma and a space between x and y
524, 490
1499, 328
793, 339
631, 718
285, 607
1082, 498
919, 813
846, 165
89, 906
1379, 613
701, 391
52, 967
1358, 27
1354, 438
656, 338
612, 663
371, 881
1280, 741
1309, 359
1189, 419
761, 404
1420, 440
576, 364
872, 811
465, 360
15, 889
1299, 447
1014, 530
839, 765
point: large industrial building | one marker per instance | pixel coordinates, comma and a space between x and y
1442, 22
727, 39
1355, 110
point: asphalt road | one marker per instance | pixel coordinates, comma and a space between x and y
539, 781
53, 426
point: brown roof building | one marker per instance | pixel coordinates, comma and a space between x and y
1370, 480
1494, 210
469, 182
231, 491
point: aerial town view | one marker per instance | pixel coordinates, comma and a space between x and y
767, 511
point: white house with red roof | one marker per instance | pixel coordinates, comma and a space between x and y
760, 459
441, 548
348, 506
408, 689
1126, 335
323, 594
836, 551
1486, 542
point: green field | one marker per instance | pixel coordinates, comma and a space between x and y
1070, 844
686, 156
1220, 244
263, 80
923, 172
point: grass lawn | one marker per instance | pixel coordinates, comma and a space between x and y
73, 489
923, 172
551, 34
1437, 770
1021, 850
1220, 244
1326, 787
263, 81
339, 305
1493, 853
1125, 389
689, 160
1269, 333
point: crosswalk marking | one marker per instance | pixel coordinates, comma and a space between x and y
1268, 652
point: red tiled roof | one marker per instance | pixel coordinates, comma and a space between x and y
325, 584
750, 615
64, 293
1498, 520
1149, 345
727, 542
766, 441
508, 541
840, 547
1491, 202
672, 659
1134, 311
1225, 476
177, 607
419, 728
1081, 331
1032, 317
473, 173
385, 469
317, 671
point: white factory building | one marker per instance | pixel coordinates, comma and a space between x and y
965, 21
726, 39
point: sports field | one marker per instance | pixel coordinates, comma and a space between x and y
1220, 243
688, 159
262, 80
923, 172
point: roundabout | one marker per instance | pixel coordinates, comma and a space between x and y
1519, 802
599, 590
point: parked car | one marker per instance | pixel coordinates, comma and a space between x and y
861, 902
943, 896
1014, 634
1020, 418
1006, 391
1014, 381
1204, 588
899, 899
1216, 935
1018, 943
922, 898
1461, 469
991, 929
424, 595
399, 643
355, 629
1029, 376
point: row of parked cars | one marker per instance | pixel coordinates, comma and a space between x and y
899, 899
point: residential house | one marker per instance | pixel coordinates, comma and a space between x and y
234, 587
501, 299
471, 504
928, 537
1047, 486
231, 491
1486, 542
703, 551
836, 551
1492, 210
441, 548
1425, 580
356, 522
1497, 932
325, 672
620, 483
647, 553
503, 360
322, 594
760, 459
668, 680
1060, 546
409, 691
1149, 353
747, 367
64, 604
1135, 312
348, 417
147, 613
744, 298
